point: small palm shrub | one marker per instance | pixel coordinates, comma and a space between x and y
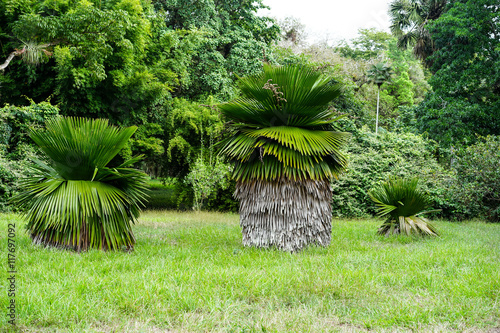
402, 202
76, 200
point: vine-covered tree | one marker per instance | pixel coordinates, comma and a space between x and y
466, 81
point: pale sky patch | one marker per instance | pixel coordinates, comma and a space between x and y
332, 20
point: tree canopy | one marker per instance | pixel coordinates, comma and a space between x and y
466, 81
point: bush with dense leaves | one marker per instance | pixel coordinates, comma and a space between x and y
16, 120
16, 148
373, 159
10, 172
475, 191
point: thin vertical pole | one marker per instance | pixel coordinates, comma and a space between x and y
376, 122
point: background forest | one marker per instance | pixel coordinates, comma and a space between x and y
165, 65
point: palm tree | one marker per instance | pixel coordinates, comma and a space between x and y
32, 53
402, 202
379, 74
408, 23
77, 200
285, 152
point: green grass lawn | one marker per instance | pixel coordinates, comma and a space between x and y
190, 273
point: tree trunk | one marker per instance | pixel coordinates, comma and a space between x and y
286, 214
9, 59
378, 101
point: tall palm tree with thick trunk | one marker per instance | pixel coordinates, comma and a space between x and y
408, 23
379, 74
285, 153
78, 200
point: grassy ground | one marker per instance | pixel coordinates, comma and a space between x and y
189, 273
161, 196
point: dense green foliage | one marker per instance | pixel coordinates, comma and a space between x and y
123, 59
235, 41
466, 80
15, 122
97, 65
350, 62
373, 159
368, 45
188, 128
10, 173
78, 200
16, 149
476, 191
402, 202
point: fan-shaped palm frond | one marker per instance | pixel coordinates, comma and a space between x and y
77, 201
408, 23
403, 202
283, 128
379, 73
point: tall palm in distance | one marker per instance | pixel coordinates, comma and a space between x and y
379, 74
409, 19
285, 152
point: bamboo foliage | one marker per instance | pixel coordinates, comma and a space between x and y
285, 150
76, 201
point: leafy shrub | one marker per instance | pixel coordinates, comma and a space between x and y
16, 120
373, 159
475, 190
222, 199
206, 178
16, 148
10, 172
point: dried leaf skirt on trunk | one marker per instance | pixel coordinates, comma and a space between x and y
286, 214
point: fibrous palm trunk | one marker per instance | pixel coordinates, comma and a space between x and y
286, 214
